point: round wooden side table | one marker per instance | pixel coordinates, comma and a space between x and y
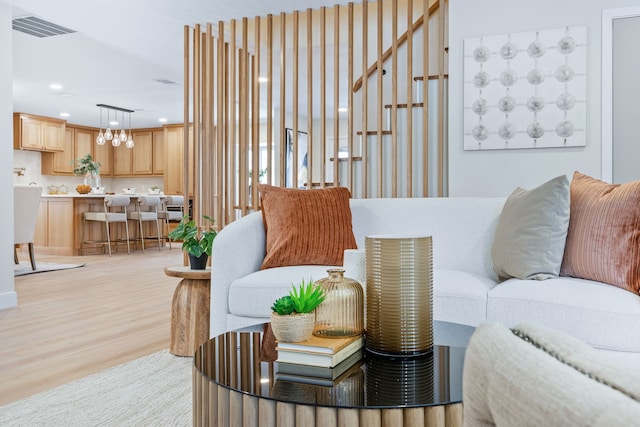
190, 310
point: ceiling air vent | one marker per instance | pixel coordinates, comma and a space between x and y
39, 27
165, 81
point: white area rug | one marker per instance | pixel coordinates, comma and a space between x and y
153, 390
25, 267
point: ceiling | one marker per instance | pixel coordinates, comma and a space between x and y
118, 54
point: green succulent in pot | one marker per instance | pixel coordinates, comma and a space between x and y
293, 316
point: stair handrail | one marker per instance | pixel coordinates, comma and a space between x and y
401, 40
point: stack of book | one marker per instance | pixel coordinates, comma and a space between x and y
318, 360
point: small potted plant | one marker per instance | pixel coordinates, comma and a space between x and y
197, 243
89, 169
293, 316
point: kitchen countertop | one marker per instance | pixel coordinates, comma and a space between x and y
91, 195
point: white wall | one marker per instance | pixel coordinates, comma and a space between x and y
498, 172
7, 294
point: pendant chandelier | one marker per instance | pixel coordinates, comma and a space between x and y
116, 137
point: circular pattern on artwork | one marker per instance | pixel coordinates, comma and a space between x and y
564, 129
481, 79
535, 76
566, 45
480, 106
480, 133
536, 49
506, 104
508, 78
566, 101
535, 104
507, 131
564, 73
481, 54
535, 130
508, 50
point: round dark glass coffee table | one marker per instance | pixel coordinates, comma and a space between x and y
237, 382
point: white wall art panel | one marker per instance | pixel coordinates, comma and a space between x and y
526, 90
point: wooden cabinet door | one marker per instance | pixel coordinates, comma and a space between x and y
123, 160
143, 153
103, 154
84, 143
53, 135
62, 162
158, 152
173, 178
30, 133
60, 224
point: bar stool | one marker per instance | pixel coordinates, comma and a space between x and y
146, 211
115, 211
172, 211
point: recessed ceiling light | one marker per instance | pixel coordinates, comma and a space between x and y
343, 109
64, 114
263, 79
162, 120
55, 86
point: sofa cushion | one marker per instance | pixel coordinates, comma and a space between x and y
532, 230
603, 242
460, 297
253, 294
601, 315
306, 226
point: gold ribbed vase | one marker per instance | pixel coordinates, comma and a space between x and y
341, 314
399, 272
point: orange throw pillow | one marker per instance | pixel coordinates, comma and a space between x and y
306, 226
603, 241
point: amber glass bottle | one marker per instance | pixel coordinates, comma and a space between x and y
342, 312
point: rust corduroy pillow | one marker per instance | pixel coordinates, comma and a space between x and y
306, 226
603, 241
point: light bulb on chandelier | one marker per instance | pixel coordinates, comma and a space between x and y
100, 139
123, 134
108, 136
129, 143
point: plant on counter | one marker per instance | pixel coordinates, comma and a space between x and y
194, 241
85, 165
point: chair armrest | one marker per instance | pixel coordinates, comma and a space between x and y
238, 250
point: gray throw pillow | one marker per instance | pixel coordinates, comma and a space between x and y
531, 232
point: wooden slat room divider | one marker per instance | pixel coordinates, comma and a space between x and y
314, 98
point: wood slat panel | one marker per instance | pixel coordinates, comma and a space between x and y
351, 175
310, 127
323, 91
283, 91
394, 98
409, 79
380, 101
441, 54
365, 99
295, 96
336, 93
425, 98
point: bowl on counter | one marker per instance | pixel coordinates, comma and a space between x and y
83, 189
129, 190
97, 190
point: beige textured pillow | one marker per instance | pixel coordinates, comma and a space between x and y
531, 233
306, 226
603, 242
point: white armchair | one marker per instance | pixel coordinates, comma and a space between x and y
26, 201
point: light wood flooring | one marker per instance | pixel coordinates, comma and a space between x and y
72, 323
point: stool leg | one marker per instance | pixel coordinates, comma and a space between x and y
141, 232
106, 223
158, 232
126, 228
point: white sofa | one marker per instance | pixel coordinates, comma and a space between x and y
466, 290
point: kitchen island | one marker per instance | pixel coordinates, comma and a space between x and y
59, 224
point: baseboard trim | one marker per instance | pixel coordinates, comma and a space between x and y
8, 300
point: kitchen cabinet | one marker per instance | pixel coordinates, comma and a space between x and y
38, 133
174, 159
54, 230
139, 160
79, 141
158, 152
103, 154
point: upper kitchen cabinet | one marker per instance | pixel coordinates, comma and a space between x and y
174, 159
79, 141
158, 152
37, 133
141, 159
103, 154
